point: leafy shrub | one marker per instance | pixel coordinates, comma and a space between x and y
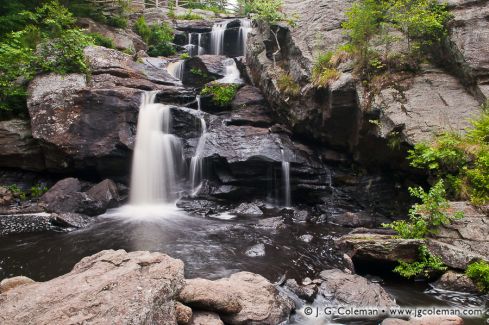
222, 94
184, 56
49, 43
38, 190
102, 40
462, 160
287, 85
479, 273
158, 37
17, 192
424, 266
198, 72
426, 217
117, 21
324, 72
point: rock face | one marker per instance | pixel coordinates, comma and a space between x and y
202, 69
353, 290
90, 126
420, 106
243, 298
97, 291
19, 149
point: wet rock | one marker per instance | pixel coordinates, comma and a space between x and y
426, 320
358, 219
274, 223
105, 192
71, 220
209, 295
97, 289
248, 96
454, 281
66, 196
12, 283
248, 210
183, 313
206, 318
376, 247
25, 223
257, 250
353, 290
306, 292
306, 238
203, 69
124, 39
250, 108
19, 149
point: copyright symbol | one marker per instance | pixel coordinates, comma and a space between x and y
308, 311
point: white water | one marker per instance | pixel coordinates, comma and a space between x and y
157, 156
199, 102
176, 69
196, 163
286, 180
232, 74
244, 30
200, 48
217, 37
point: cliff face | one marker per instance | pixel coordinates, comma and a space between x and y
441, 97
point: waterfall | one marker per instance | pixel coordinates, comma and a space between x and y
196, 163
200, 49
198, 99
157, 155
286, 180
217, 37
231, 73
190, 46
176, 69
244, 30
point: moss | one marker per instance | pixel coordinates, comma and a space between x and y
287, 85
222, 94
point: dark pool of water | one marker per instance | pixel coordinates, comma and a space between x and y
210, 248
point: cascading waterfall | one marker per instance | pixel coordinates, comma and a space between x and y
286, 180
157, 155
200, 49
176, 69
190, 46
244, 30
231, 72
196, 163
198, 99
217, 37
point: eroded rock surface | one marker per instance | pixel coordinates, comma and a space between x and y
108, 287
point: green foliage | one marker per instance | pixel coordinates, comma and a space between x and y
479, 273
48, 43
17, 192
424, 266
287, 85
158, 37
462, 160
102, 40
38, 190
222, 94
198, 72
426, 217
324, 71
184, 56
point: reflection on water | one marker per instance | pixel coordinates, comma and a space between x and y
210, 247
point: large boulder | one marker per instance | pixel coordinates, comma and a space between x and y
206, 318
108, 287
243, 298
19, 149
90, 125
12, 283
454, 281
105, 192
66, 196
202, 69
353, 290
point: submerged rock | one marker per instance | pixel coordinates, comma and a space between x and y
257, 250
97, 291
